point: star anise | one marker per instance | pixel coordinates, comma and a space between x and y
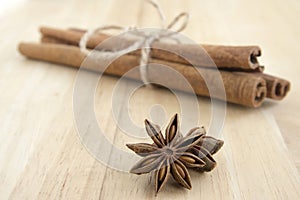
173, 153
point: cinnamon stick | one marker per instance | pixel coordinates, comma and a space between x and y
237, 58
277, 88
240, 88
48, 39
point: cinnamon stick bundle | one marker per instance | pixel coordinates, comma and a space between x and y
241, 88
227, 56
232, 58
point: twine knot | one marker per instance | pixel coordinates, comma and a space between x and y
144, 43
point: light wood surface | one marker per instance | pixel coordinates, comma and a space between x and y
41, 156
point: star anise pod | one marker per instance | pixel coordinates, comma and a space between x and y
173, 153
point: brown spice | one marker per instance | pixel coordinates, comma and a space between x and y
237, 58
240, 88
174, 153
277, 88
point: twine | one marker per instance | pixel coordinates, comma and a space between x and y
144, 43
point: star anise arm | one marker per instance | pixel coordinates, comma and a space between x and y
190, 160
204, 155
143, 149
154, 132
162, 175
181, 174
146, 164
211, 144
172, 130
190, 140
196, 130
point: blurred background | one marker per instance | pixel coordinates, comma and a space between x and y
271, 24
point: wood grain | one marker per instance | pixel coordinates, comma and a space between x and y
41, 156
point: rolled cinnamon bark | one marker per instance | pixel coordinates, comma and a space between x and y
277, 88
48, 39
240, 88
237, 58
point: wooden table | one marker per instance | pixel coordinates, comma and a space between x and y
41, 156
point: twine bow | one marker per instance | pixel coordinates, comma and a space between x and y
146, 39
